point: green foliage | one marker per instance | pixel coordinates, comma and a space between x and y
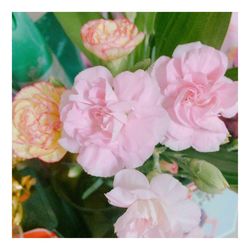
46, 209
173, 29
56, 202
225, 160
147, 167
232, 74
145, 23
72, 23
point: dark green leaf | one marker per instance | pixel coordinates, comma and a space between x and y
72, 23
147, 167
232, 74
144, 21
46, 209
172, 29
95, 210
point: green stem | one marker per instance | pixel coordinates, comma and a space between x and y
117, 66
156, 157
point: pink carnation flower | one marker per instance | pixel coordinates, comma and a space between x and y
157, 209
112, 123
196, 94
111, 39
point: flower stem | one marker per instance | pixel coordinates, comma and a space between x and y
117, 66
156, 156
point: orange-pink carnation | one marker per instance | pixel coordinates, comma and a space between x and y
36, 123
111, 39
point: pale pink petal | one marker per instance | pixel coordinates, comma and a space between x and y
152, 130
176, 144
178, 130
70, 144
122, 197
186, 214
139, 88
92, 74
168, 188
130, 179
180, 50
173, 73
158, 70
196, 233
206, 60
228, 96
213, 124
207, 141
99, 161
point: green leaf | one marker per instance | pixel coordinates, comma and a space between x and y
147, 167
232, 74
72, 23
144, 21
38, 211
95, 210
92, 188
233, 145
175, 28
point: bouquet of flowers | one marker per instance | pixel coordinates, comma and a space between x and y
121, 150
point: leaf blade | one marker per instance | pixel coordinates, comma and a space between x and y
172, 29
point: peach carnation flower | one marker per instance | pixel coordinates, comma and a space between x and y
36, 123
111, 39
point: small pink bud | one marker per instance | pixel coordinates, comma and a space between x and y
170, 167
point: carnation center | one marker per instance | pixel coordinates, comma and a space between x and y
197, 95
105, 122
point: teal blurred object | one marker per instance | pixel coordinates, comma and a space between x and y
66, 53
31, 57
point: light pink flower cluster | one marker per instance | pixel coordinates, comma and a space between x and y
111, 39
196, 94
112, 122
160, 208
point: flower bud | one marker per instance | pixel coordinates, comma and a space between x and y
111, 39
207, 177
170, 167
